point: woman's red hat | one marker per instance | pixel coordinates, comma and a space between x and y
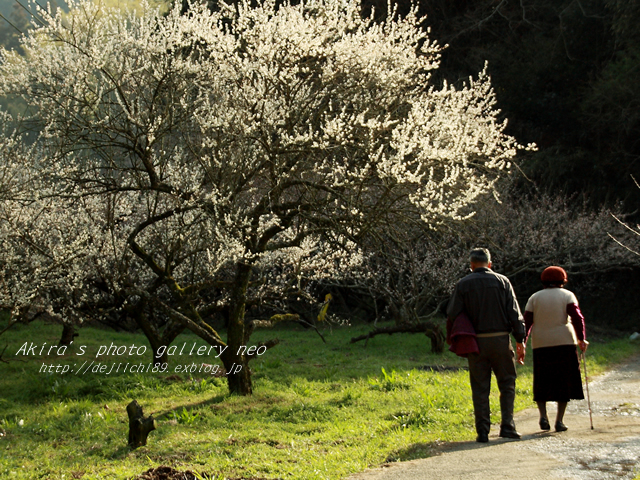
554, 275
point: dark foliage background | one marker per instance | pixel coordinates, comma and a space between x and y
567, 76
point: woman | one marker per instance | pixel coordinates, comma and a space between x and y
555, 322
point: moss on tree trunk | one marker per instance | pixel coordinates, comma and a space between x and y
235, 362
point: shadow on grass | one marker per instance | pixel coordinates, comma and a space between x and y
177, 411
120, 453
414, 452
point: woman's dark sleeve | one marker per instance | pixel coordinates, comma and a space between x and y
528, 323
577, 320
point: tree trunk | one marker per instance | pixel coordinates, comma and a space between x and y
153, 336
157, 358
68, 334
234, 359
239, 377
437, 339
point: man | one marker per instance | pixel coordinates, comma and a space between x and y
488, 300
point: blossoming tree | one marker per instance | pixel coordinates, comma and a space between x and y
525, 233
231, 155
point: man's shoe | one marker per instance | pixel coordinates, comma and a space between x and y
509, 434
482, 438
544, 424
561, 427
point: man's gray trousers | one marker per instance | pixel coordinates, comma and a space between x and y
496, 353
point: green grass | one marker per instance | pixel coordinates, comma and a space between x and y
319, 411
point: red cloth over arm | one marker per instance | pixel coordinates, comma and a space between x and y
577, 320
528, 323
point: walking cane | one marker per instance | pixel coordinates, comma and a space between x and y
586, 381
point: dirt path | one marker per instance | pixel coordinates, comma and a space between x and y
610, 451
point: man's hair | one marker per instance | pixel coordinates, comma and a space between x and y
480, 255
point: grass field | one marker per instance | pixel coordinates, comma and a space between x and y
319, 411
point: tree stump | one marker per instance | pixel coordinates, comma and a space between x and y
139, 425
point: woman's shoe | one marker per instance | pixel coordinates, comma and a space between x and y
544, 424
561, 427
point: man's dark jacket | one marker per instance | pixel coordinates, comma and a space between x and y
489, 301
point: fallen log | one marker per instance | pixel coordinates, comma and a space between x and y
139, 425
430, 329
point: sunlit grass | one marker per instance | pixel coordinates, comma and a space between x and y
319, 411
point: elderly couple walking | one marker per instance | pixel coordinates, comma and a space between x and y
485, 301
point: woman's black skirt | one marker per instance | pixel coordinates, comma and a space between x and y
556, 374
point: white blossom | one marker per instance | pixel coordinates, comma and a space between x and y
175, 149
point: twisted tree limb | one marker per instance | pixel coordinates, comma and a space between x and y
430, 329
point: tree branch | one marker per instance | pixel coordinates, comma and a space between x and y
201, 329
